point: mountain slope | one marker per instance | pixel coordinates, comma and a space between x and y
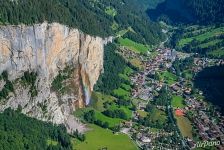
20, 132
92, 17
207, 11
49, 70
189, 11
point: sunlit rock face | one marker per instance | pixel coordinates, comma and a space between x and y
46, 49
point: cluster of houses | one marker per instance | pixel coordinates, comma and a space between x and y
181, 88
208, 128
145, 89
164, 58
145, 137
141, 90
201, 63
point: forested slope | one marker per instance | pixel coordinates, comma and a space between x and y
205, 40
189, 11
20, 132
207, 11
102, 18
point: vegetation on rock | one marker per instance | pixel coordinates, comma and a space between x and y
18, 131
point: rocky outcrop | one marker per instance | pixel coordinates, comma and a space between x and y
47, 49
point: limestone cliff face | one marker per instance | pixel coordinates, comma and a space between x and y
47, 49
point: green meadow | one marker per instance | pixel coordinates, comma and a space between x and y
177, 102
157, 115
136, 47
98, 138
111, 11
169, 77
211, 32
185, 126
112, 121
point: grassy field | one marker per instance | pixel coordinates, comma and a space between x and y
158, 115
111, 11
128, 71
121, 93
185, 126
124, 90
125, 109
142, 113
122, 32
126, 74
136, 47
126, 87
201, 37
213, 42
112, 121
99, 138
217, 53
137, 63
208, 39
98, 100
177, 101
52, 142
168, 77
99, 116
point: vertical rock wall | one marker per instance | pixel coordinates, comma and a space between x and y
47, 49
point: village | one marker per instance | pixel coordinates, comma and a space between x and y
147, 84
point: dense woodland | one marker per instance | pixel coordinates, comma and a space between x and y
113, 65
207, 11
19, 132
8, 87
89, 16
189, 11
183, 64
211, 81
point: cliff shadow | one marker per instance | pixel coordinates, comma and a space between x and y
211, 81
171, 11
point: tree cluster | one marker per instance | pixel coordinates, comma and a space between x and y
29, 79
123, 102
117, 113
91, 118
164, 97
207, 11
8, 87
78, 135
20, 132
183, 64
114, 64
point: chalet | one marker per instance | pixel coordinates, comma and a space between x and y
145, 139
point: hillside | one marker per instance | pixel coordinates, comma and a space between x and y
172, 11
53, 67
189, 11
20, 132
204, 40
101, 18
211, 82
111, 74
150, 4
207, 11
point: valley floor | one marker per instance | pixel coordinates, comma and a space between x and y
164, 109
